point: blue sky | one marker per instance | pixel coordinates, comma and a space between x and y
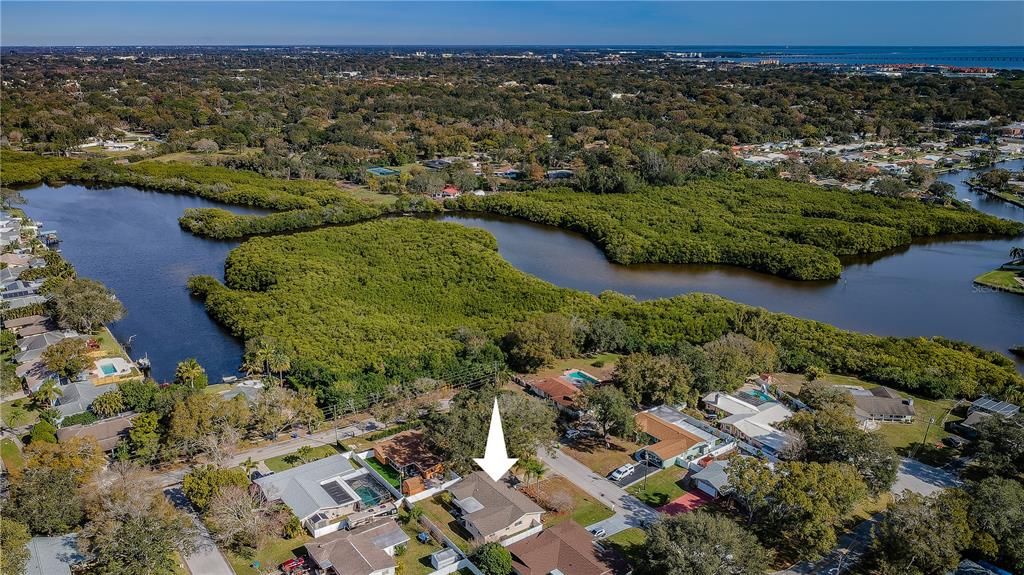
917, 23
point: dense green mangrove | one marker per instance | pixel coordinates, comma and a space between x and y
363, 299
784, 228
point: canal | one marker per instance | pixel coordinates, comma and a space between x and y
130, 240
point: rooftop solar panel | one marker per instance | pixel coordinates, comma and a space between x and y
337, 493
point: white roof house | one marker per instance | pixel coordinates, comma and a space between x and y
751, 415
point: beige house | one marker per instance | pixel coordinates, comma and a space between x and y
492, 511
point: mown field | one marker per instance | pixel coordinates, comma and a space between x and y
370, 296
783, 228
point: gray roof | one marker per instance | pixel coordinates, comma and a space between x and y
495, 505
53, 555
715, 475
991, 405
359, 551
300, 487
77, 396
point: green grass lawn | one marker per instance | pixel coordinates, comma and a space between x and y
585, 509
18, 412
627, 542
416, 559
108, 344
9, 452
386, 471
605, 360
1001, 279
434, 510
662, 487
289, 460
271, 555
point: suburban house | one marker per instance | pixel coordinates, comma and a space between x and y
324, 492
881, 404
77, 396
751, 415
559, 391
713, 478
30, 325
32, 347
448, 191
411, 455
107, 432
969, 427
565, 548
986, 404
673, 438
492, 511
364, 550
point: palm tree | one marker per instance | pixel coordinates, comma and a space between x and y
278, 361
189, 371
258, 352
1016, 254
533, 468
47, 393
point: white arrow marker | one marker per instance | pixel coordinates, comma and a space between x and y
495, 461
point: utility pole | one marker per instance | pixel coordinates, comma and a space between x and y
931, 420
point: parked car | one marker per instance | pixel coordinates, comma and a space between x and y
598, 533
622, 472
955, 441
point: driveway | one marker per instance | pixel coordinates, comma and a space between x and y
637, 475
206, 559
921, 478
847, 552
629, 511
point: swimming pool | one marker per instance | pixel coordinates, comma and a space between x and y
108, 369
368, 493
579, 378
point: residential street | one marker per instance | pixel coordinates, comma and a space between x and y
325, 437
206, 559
629, 511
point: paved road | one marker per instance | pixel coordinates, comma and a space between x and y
629, 511
207, 558
327, 437
921, 478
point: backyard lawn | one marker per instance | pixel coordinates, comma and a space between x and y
108, 344
434, 510
289, 460
386, 471
584, 509
592, 452
271, 555
662, 487
416, 558
11, 455
606, 361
